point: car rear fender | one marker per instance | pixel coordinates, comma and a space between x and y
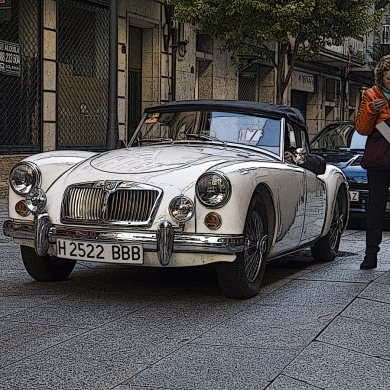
336, 185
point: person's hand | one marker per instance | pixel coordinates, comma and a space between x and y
377, 104
288, 156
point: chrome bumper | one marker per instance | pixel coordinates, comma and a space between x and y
164, 241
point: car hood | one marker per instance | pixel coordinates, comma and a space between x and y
158, 159
341, 159
355, 174
349, 163
174, 168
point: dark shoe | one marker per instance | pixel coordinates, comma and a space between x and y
369, 262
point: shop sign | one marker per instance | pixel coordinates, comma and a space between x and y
10, 58
303, 82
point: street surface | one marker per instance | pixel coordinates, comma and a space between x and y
313, 326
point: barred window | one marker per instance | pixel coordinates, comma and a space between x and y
332, 89
79, 22
386, 34
20, 97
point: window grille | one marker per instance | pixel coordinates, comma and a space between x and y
330, 90
20, 80
386, 34
247, 86
83, 67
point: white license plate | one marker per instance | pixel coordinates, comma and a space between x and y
354, 196
103, 252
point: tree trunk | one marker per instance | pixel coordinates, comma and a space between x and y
284, 71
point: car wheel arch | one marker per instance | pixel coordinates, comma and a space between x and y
335, 187
341, 195
263, 192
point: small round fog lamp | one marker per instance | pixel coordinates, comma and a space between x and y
213, 221
22, 209
181, 208
36, 200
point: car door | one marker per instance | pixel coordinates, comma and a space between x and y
315, 207
290, 197
315, 201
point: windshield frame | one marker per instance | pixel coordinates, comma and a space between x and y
217, 112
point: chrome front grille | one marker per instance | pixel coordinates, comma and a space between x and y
130, 205
83, 204
111, 202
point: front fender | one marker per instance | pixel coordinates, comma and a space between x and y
52, 165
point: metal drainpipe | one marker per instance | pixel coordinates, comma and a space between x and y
174, 57
112, 123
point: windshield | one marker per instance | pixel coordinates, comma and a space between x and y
211, 126
334, 137
358, 141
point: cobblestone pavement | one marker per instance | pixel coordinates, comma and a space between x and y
313, 326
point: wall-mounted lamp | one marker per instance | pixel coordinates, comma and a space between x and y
171, 29
182, 41
182, 49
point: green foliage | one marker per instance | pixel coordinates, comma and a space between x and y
375, 52
302, 27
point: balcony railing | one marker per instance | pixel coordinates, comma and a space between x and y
354, 46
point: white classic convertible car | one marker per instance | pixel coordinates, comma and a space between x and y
200, 182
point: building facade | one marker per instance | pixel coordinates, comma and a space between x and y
55, 65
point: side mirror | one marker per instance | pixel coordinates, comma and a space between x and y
300, 156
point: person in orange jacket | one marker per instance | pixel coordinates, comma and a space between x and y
374, 108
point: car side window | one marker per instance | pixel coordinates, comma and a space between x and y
305, 141
291, 139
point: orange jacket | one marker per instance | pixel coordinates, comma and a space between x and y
366, 119
377, 152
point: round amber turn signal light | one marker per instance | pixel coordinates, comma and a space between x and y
213, 221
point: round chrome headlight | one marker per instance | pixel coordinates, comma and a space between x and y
181, 208
213, 189
23, 177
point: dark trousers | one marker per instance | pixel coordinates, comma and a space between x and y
378, 186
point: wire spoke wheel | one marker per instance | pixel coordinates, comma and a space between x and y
255, 246
336, 226
242, 278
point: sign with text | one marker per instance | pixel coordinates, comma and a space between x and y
10, 58
303, 81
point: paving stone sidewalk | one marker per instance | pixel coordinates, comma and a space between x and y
313, 326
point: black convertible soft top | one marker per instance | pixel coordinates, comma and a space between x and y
291, 114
